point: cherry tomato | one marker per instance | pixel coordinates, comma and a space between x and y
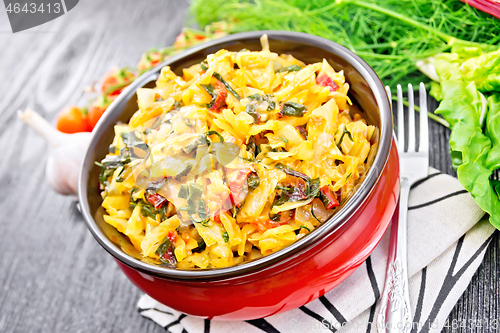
72, 119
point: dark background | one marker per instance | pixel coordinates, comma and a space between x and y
54, 277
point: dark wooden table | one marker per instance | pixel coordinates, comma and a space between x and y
54, 277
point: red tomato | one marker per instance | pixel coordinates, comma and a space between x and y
72, 119
237, 181
221, 91
95, 113
156, 200
97, 109
171, 235
169, 257
331, 198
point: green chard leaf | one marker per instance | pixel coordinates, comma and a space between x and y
304, 227
292, 109
136, 147
492, 131
211, 91
227, 85
166, 253
204, 65
264, 98
291, 68
253, 180
251, 109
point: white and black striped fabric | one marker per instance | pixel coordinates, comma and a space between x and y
447, 239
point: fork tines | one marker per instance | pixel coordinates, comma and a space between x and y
424, 127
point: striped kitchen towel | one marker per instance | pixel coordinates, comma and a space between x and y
447, 239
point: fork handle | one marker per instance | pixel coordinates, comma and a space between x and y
395, 312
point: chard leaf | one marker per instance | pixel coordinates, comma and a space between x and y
227, 85
312, 184
481, 66
493, 131
210, 90
251, 109
293, 109
291, 68
166, 247
490, 84
264, 98
135, 146
253, 180
436, 91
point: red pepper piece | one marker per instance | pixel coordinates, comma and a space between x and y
270, 224
171, 235
220, 100
332, 199
326, 81
156, 200
169, 256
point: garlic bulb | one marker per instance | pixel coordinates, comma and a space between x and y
65, 156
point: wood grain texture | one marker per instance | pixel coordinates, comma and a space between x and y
54, 277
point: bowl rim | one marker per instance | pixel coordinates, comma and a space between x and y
329, 226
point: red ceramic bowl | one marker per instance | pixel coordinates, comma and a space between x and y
299, 273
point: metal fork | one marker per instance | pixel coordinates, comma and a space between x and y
395, 312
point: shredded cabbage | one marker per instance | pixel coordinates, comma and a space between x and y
242, 156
